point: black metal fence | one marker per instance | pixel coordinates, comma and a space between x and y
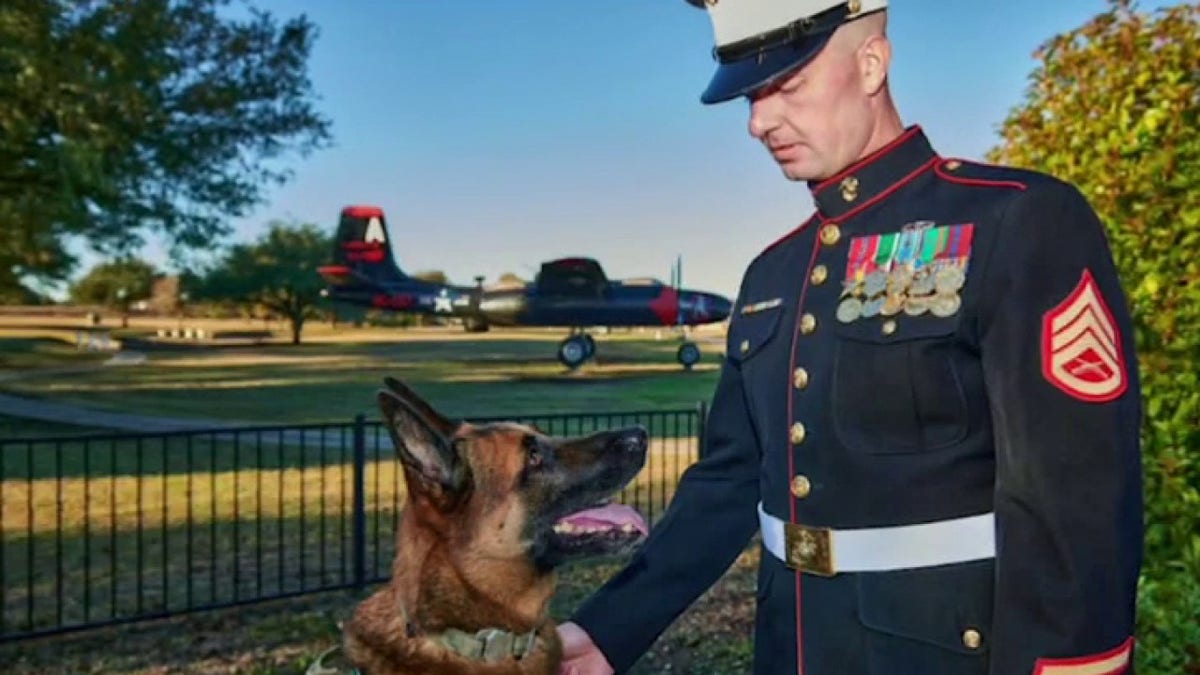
105, 529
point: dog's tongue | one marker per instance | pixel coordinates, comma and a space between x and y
610, 515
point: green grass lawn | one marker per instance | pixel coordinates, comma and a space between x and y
116, 527
27, 352
16, 427
333, 382
713, 637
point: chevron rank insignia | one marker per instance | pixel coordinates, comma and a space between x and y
1081, 348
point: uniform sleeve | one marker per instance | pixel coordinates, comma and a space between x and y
707, 524
1057, 348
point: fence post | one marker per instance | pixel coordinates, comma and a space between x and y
360, 508
702, 413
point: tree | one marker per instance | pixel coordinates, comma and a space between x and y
1114, 107
125, 118
115, 284
432, 276
277, 272
16, 293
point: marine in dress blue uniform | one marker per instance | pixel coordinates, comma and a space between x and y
928, 406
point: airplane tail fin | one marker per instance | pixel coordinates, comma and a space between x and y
362, 252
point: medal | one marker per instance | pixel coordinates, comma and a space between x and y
849, 310
872, 307
899, 279
876, 283
949, 279
892, 304
916, 305
945, 304
923, 283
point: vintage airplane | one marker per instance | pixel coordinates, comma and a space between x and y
569, 292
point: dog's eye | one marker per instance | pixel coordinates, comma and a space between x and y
533, 452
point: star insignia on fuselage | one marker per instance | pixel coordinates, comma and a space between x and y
442, 302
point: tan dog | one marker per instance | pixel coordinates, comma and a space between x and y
492, 511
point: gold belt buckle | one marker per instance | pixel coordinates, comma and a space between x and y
809, 549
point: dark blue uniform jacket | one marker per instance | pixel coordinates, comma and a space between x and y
941, 339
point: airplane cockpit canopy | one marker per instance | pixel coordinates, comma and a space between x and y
571, 276
642, 281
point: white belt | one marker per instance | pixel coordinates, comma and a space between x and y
826, 552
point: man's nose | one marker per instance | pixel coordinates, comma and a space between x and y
762, 117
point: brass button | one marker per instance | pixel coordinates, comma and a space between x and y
808, 323
854, 6
801, 487
800, 378
830, 234
850, 189
819, 274
953, 164
889, 326
798, 433
745, 346
971, 638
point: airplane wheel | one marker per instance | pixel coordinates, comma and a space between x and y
473, 325
688, 355
572, 352
590, 342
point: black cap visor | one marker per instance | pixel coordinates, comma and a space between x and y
740, 77
758, 60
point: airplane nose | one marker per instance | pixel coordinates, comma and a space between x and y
721, 307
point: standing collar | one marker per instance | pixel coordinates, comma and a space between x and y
873, 175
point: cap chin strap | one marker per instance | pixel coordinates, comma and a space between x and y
488, 644
795, 31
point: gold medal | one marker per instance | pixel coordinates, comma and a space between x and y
923, 282
899, 279
916, 305
950, 279
945, 304
892, 304
849, 310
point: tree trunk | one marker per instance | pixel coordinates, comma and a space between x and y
297, 326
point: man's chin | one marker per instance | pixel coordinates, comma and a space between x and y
795, 172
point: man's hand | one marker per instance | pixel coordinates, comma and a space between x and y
581, 656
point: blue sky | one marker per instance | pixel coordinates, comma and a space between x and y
496, 135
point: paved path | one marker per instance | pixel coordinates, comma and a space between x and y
69, 413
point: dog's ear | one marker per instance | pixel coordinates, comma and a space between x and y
424, 446
443, 426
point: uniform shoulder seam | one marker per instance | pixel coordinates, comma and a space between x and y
943, 168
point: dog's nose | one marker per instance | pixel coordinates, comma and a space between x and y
631, 440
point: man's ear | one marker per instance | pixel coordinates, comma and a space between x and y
423, 447
874, 59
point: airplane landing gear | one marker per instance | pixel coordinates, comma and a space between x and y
576, 349
688, 355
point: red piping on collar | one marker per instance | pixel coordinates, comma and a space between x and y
856, 210
979, 182
869, 159
885, 193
